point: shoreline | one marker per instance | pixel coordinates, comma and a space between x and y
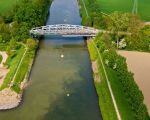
14, 99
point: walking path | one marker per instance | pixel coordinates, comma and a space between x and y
85, 8
3, 70
135, 7
108, 83
26, 49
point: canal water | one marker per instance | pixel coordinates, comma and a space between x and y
59, 88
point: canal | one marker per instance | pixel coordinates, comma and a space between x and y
59, 88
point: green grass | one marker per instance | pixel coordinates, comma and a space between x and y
82, 10
144, 9
7, 5
3, 46
93, 54
105, 101
1, 58
21, 73
109, 6
13, 62
123, 105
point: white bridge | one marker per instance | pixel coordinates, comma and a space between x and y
64, 30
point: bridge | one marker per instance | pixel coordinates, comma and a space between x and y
64, 30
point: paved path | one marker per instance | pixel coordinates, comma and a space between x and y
26, 49
85, 8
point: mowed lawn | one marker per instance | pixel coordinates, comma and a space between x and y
144, 9
6, 5
108, 6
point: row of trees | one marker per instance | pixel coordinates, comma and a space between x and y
139, 37
25, 15
94, 12
131, 91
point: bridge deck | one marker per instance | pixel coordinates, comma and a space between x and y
64, 30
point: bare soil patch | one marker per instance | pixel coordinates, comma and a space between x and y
139, 64
95, 71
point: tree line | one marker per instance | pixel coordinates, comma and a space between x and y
118, 21
25, 15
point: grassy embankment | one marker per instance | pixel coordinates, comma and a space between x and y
82, 10
17, 68
105, 100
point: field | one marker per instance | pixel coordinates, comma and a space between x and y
138, 63
6, 5
142, 6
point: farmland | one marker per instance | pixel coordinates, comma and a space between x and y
108, 6
6, 5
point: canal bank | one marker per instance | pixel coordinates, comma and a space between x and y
52, 78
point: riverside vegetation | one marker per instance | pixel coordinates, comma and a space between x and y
127, 94
16, 41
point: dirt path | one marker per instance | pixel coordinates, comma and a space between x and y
139, 64
5, 56
3, 73
3, 70
147, 23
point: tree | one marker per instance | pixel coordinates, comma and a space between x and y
31, 44
11, 46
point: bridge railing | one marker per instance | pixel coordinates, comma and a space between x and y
64, 29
